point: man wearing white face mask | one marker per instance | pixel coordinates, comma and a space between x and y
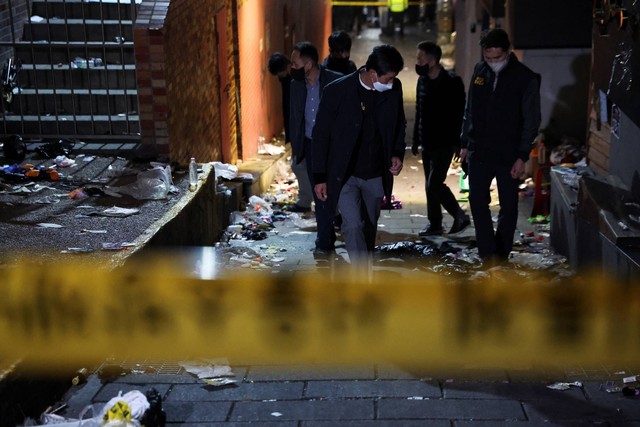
501, 122
358, 146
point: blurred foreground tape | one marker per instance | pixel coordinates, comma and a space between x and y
56, 315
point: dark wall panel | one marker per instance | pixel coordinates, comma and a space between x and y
550, 24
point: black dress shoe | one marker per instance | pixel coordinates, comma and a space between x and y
460, 224
297, 208
431, 230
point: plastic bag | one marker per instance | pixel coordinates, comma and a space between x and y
225, 170
153, 184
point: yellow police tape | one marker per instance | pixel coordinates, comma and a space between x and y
66, 315
383, 3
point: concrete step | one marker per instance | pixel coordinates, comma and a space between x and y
74, 101
63, 76
61, 126
81, 9
56, 29
61, 53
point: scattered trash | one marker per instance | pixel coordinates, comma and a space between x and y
565, 386
260, 205
77, 251
225, 170
64, 161
49, 225
117, 246
610, 387
214, 372
51, 150
306, 224
153, 184
118, 212
631, 379
630, 392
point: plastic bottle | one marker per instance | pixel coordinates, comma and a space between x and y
81, 376
193, 174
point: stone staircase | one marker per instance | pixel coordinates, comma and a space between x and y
78, 72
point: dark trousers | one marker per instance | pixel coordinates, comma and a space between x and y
436, 165
326, 234
396, 18
481, 173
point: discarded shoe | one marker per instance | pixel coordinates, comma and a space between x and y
431, 230
460, 224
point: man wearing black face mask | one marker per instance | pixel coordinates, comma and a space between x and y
280, 66
309, 80
439, 109
339, 52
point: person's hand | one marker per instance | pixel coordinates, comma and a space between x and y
321, 191
396, 166
456, 156
517, 170
415, 149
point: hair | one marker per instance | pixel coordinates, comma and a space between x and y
307, 50
278, 63
383, 59
495, 38
431, 49
339, 41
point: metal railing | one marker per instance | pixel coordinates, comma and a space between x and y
77, 76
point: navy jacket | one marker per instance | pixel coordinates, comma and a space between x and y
296, 113
501, 124
338, 126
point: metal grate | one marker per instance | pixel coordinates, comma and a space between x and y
76, 75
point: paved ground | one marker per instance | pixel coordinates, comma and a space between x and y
374, 394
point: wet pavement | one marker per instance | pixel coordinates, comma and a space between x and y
370, 394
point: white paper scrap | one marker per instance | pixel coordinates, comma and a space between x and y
48, 225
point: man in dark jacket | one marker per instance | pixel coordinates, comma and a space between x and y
358, 144
309, 80
501, 122
280, 66
439, 110
339, 53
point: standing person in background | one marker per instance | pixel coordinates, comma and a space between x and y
339, 53
440, 104
358, 146
309, 80
397, 9
280, 66
501, 122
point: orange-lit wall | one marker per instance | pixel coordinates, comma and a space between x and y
262, 31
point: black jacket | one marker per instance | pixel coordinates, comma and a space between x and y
501, 125
296, 113
439, 111
338, 126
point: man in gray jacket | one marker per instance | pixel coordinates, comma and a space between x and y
309, 80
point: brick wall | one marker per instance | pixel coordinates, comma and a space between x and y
267, 26
176, 66
180, 63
